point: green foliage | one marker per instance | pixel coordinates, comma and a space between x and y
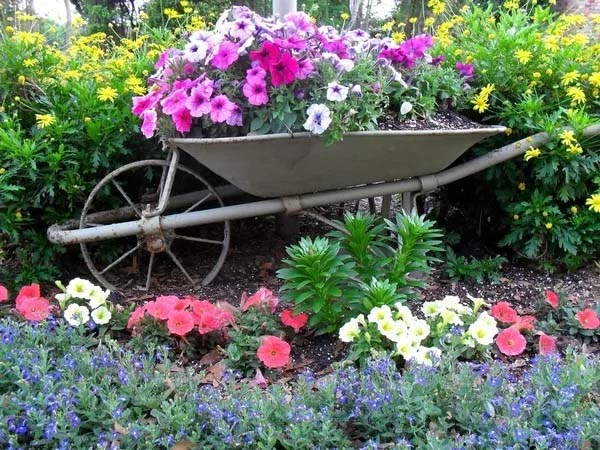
461, 268
542, 76
370, 263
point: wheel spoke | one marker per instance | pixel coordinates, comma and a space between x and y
150, 264
93, 225
178, 264
197, 239
199, 202
126, 197
120, 258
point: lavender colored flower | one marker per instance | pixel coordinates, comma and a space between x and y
336, 92
467, 71
319, 118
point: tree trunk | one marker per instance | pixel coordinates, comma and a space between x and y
69, 21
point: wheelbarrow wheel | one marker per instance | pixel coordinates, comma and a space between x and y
133, 261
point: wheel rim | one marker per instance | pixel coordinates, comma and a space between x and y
148, 247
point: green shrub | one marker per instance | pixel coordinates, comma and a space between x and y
459, 267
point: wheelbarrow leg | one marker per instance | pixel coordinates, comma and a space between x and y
408, 201
287, 226
386, 206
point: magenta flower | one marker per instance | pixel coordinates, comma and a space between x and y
267, 55
293, 42
221, 108
466, 70
235, 119
149, 123
438, 60
416, 47
299, 21
241, 29
163, 58
145, 102
255, 90
182, 119
183, 84
284, 71
175, 101
198, 102
305, 68
256, 72
336, 46
226, 55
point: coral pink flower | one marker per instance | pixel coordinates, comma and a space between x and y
547, 344
136, 316
181, 304
255, 91
504, 312
274, 352
588, 319
182, 119
511, 342
552, 298
3, 293
180, 323
200, 307
524, 323
32, 290
159, 310
34, 308
208, 322
221, 108
149, 123
284, 71
226, 55
262, 297
295, 321
267, 55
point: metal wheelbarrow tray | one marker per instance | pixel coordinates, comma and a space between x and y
291, 173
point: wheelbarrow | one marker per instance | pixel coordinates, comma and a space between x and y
164, 202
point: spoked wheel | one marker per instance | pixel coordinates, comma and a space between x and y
131, 193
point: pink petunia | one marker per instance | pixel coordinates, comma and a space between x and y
511, 342
145, 102
296, 321
221, 108
268, 54
256, 72
263, 297
588, 319
299, 21
198, 103
294, 42
235, 119
226, 55
305, 69
274, 352
284, 71
416, 47
504, 312
255, 91
547, 344
136, 316
180, 323
209, 322
182, 119
174, 101
552, 298
149, 123
3, 294
34, 309
524, 323
159, 310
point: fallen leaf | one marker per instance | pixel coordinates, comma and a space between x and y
182, 445
211, 358
120, 429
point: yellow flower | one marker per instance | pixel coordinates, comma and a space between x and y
574, 149
523, 56
508, 131
516, 217
522, 186
511, 4
481, 104
188, 10
549, 72
398, 37
545, 214
2, 170
388, 26
569, 78
574, 209
345, 16
18, 215
429, 21
594, 203
9, 30
594, 79
21, 79
413, 20
549, 225
143, 16
491, 36
87, 119
107, 94
44, 120
30, 62
576, 94
17, 98
488, 89
567, 137
532, 153
171, 13
536, 75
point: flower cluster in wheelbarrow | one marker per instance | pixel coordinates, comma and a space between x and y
256, 75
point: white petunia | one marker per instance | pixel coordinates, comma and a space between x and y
419, 329
427, 355
101, 315
98, 297
62, 299
379, 313
80, 288
345, 64
449, 316
477, 303
388, 328
405, 347
483, 332
350, 330
404, 313
487, 319
77, 315
196, 50
337, 92
431, 309
319, 118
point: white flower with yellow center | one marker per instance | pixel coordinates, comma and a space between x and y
404, 313
449, 316
431, 309
453, 302
98, 297
477, 303
487, 319
419, 330
76, 315
406, 348
379, 313
483, 332
101, 315
388, 328
62, 299
427, 355
468, 341
350, 330
80, 288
